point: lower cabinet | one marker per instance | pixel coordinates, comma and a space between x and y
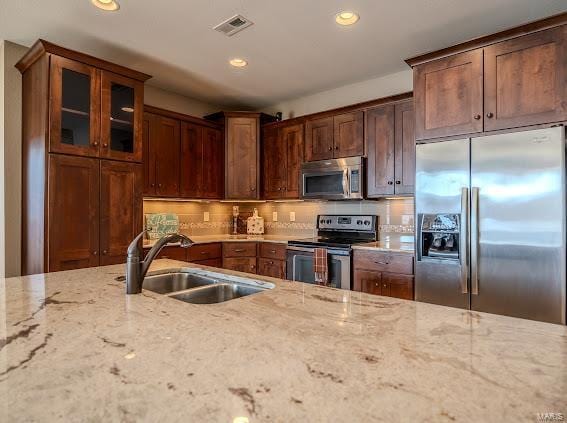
271, 261
240, 256
383, 273
240, 264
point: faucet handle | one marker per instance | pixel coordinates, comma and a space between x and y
133, 248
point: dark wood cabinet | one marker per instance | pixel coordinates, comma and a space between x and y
348, 134
242, 158
390, 141
525, 80
319, 134
334, 136
383, 273
201, 252
271, 268
240, 264
73, 213
283, 149
76, 112
381, 142
240, 256
165, 145
448, 96
202, 162
515, 78
120, 211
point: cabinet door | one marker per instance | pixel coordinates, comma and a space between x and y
380, 141
525, 80
166, 144
120, 209
240, 264
349, 135
275, 163
148, 155
211, 263
74, 108
242, 158
272, 268
292, 137
398, 286
213, 161
405, 148
319, 139
448, 96
368, 281
73, 215
192, 163
122, 108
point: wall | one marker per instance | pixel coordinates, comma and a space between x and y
396, 216
346, 95
12, 153
157, 97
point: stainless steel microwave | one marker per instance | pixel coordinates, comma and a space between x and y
335, 179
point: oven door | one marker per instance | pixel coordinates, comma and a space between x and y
300, 267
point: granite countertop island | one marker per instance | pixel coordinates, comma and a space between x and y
74, 347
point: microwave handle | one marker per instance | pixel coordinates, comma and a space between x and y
346, 182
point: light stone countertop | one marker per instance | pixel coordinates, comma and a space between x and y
387, 246
207, 239
74, 347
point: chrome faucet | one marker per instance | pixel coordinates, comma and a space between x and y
136, 268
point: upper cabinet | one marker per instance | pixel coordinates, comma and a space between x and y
283, 148
334, 136
242, 153
503, 81
390, 140
183, 156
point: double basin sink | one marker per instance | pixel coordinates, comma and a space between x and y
200, 286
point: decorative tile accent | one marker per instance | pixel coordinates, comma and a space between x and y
409, 229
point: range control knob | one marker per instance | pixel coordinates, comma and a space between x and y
359, 222
328, 221
322, 221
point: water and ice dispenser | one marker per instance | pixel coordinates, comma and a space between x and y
439, 236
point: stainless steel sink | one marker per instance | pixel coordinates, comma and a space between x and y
217, 293
199, 286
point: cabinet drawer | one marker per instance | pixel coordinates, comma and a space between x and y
204, 252
272, 268
240, 264
273, 251
172, 253
384, 262
239, 249
399, 286
217, 262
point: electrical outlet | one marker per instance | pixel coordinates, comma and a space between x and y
206, 216
275, 216
292, 216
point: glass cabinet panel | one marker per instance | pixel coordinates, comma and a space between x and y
122, 118
74, 108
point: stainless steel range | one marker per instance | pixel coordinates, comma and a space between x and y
336, 233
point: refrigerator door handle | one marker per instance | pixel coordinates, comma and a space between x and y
474, 240
465, 228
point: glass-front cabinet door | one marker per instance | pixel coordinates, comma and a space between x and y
74, 108
121, 117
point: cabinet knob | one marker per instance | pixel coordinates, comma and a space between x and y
279, 189
476, 117
385, 286
95, 144
337, 148
152, 185
376, 284
95, 253
271, 262
252, 189
104, 252
489, 115
390, 182
159, 185
105, 145
330, 148
398, 182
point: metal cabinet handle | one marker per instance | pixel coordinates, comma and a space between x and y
95, 144
330, 148
273, 251
489, 115
105, 145
390, 183
95, 253
239, 250
152, 185
337, 148
474, 240
384, 263
203, 253
398, 182
476, 117
104, 252
465, 228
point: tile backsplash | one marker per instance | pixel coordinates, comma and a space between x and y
396, 215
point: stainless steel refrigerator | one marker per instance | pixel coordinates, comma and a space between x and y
490, 216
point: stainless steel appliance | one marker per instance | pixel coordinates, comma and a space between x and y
337, 234
335, 179
490, 215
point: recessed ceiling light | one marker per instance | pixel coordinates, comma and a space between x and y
108, 5
238, 63
128, 109
346, 18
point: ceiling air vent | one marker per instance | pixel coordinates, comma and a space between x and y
233, 25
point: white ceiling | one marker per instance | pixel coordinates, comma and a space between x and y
294, 47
